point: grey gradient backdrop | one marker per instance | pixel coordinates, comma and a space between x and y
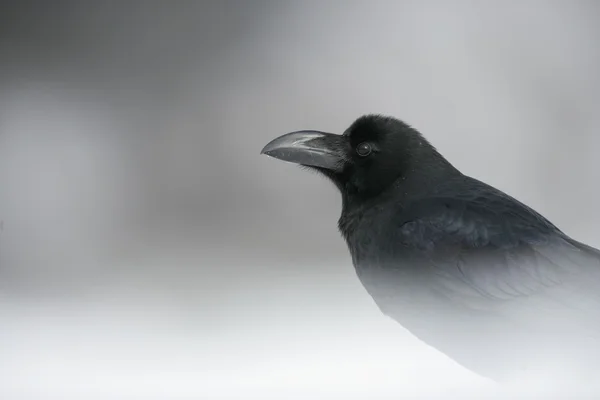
148, 251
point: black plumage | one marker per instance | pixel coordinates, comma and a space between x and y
465, 267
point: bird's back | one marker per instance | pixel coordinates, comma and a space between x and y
481, 277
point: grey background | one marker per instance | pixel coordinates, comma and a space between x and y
147, 249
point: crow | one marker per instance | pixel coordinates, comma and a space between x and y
463, 266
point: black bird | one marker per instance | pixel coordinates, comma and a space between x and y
465, 267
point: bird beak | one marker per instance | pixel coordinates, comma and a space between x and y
309, 148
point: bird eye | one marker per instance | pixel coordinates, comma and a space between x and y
363, 149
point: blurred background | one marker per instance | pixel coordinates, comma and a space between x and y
147, 249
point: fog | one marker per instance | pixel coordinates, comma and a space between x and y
148, 251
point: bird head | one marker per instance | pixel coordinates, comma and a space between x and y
370, 156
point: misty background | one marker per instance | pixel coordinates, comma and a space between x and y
147, 249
